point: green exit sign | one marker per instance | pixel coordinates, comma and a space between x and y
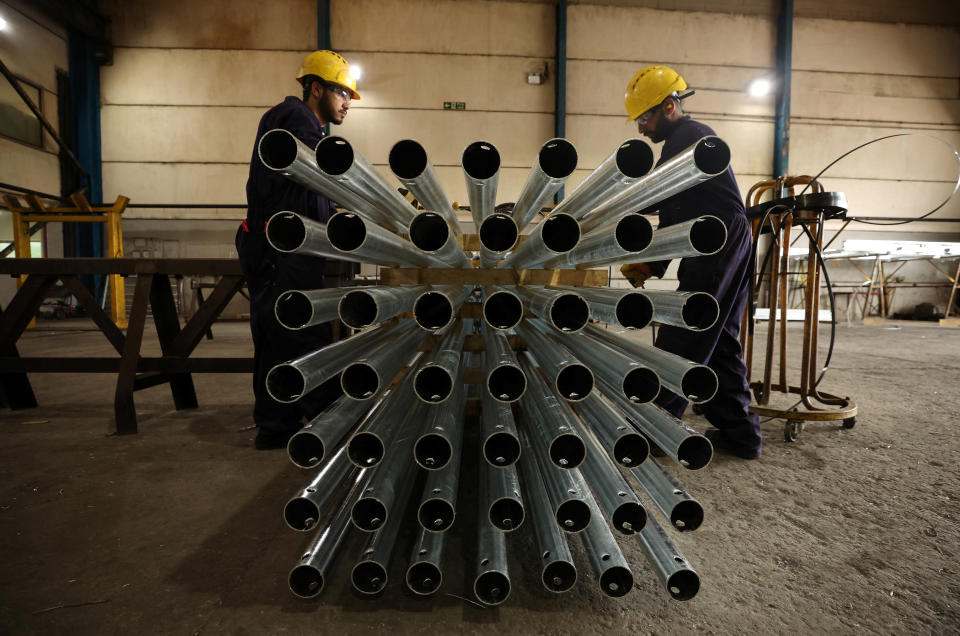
454, 105
461, 106
447, 105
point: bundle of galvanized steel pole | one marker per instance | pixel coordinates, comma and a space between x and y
566, 418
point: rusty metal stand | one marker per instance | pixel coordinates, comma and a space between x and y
812, 404
134, 372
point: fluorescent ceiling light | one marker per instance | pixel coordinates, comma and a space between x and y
760, 87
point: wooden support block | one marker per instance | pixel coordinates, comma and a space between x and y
576, 278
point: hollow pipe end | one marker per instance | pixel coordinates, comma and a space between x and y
492, 588
616, 581
436, 515
695, 452
369, 578
683, 584
424, 578
305, 450
558, 576
687, 515
305, 581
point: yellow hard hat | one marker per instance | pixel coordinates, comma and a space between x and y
649, 87
330, 67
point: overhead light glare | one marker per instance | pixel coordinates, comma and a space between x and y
3, 24
356, 72
760, 87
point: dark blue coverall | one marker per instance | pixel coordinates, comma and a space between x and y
726, 276
270, 273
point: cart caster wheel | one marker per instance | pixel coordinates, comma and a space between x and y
791, 431
849, 422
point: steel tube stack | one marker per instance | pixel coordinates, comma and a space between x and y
408, 161
308, 446
561, 426
621, 169
337, 159
702, 160
557, 570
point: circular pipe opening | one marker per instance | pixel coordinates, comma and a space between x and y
569, 312
346, 232
435, 515
424, 578
558, 576
712, 155
360, 381
695, 452
683, 585
507, 383
429, 231
305, 581
558, 158
301, 514
285, 383
573, 515
501, 449
506, 514
560, 233
700, 311
334, 155
365, 449
687, 515
574, 382
641, 385
293, 309
616, 581
699, 384
357, 309
634, 158
368, 577
634, 233
432, 310
480, 160
492, 588
498, 232
432, 451
368, 514
286, 232
629, 517
708, 235
502, 310
277, 149
631, 449
634, 310
567, 450
306, 450
433, 384
407, 159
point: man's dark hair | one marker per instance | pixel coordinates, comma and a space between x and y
308, 81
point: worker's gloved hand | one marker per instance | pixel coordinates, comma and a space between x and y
636, 273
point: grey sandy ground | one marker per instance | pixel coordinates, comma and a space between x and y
178, 529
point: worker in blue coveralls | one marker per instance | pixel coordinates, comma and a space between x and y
328, 89
653, 99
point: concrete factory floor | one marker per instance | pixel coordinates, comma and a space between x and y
177, 530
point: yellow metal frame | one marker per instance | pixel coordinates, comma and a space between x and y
82, 212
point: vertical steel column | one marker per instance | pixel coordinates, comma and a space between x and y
85, 91
560, 86
781, 135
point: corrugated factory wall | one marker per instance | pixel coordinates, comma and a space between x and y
33, 49
190, 81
